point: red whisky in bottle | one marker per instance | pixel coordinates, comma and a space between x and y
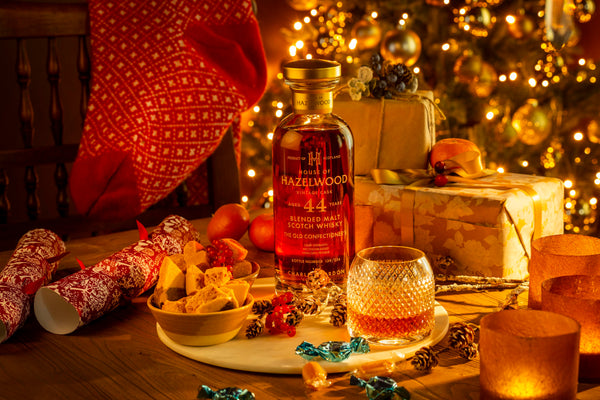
313, 180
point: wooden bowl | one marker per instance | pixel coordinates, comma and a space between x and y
205, 329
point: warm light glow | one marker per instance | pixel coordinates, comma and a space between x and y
466, 28
511, 19
352, 44
374, 14
279, 104
489, 116
578, 136
593, 201
532, 82
270, 192
512, 76
402, 22
568, 183
278, 113
292, 51
244, 199
446, 46
416, 70
349, 59
581, 61
572, 193
299, 44
256, 109
500, 170
502, 78
313, 12
525, 163
270, 135
545, 83
251, 173
297, 25
309, 56
307, 20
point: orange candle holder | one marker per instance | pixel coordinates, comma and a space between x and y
561, 255
578, 297
528, 354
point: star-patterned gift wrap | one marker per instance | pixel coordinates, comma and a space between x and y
31, 265
480, 229
67, 304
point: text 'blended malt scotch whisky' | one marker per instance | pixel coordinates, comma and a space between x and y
313, 180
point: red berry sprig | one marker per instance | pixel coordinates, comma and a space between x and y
276, 320
220, 255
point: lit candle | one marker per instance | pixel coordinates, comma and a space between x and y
578, 297
560, 255
528, 354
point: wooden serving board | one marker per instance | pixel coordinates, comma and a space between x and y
275, 354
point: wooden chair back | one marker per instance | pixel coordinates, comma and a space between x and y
33, 152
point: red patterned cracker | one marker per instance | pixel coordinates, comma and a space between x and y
31, 265
76, 300
173, 233
14, 310
135, 268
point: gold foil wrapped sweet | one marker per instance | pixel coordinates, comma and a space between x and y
560, 255
528, 354
578, 297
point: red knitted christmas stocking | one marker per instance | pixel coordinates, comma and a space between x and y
168, 77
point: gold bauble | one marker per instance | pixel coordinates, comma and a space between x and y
531, 123
592, 129
401, 46
480, 20
467, 67
523, 28
584, 9
484, 84
367, 33
303, 5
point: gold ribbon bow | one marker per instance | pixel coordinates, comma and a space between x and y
469, 169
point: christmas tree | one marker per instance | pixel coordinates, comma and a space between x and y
518, 78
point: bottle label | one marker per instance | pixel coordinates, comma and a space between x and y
318, 102
313, 209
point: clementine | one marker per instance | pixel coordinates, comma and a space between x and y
229, 221
262, 232
445, 149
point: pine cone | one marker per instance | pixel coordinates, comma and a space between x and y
261, 307
338, 315
425, 359
254, 328
461, 335
308, 305
469, 352
316, 279
294, 317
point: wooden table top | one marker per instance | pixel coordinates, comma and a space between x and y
120, 356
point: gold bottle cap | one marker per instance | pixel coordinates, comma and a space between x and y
313, 69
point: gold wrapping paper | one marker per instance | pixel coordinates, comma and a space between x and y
486, 230
393, 134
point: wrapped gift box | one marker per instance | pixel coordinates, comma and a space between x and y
485, 229
393, 134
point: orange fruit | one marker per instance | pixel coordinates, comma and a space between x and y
262, 232
445, 149
229, 221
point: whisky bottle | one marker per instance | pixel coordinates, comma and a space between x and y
313, 180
